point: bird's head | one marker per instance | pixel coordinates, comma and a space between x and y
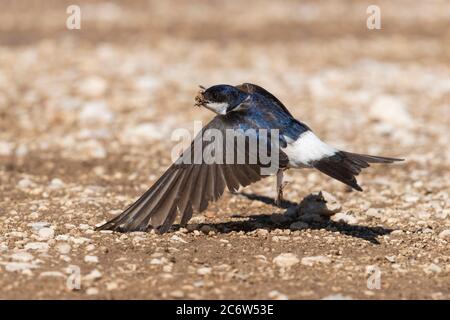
220, 99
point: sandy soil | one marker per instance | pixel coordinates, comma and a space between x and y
84, 120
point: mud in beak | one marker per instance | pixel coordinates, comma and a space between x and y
199, 98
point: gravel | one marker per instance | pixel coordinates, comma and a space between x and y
86, 119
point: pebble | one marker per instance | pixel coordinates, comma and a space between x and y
176, 238
432, 268
25, 183
110, 286
91, 259
36, 226
310, 261
56, 183
178, 294
445, 234
91, 291
22, 256
276, 295
204, 271
41, 246
286, 260
345, 218
46, 233
19, 266
321, 203
93, 275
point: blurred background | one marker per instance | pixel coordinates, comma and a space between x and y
85, 115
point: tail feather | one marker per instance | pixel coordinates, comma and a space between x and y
344, 166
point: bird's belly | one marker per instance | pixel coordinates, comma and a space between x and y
306, 149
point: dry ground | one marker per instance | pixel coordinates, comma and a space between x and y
85, 115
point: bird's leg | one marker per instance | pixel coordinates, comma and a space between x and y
280, 186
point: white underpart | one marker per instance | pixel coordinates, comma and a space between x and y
217, 107
307, 148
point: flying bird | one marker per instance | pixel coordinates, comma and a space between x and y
191, 183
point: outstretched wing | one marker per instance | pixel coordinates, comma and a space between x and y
190, 183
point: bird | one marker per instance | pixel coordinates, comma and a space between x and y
192, 182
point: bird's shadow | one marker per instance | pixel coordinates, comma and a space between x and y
266, 221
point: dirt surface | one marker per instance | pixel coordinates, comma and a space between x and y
85, 117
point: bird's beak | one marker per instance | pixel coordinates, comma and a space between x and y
199, 98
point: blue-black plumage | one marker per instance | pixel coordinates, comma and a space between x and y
189, 186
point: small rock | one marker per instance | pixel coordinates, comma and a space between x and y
445, 234
40, 246
22, 256
274, 294
322, 203
91, 259
176, 238
432, 268
204, 271
345, 218
310, 261
56, 183
36, 226
91, 291
25, 183
93, 275
286, 260
46, 233
178, 294
19, 266
112, 286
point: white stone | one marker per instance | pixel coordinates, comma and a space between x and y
310, 261
277, 295
19, 266
40, 246
445, 234
46, 233
204, 271
176, 238
25, 183
91, 291
345, 218
432, 268
91, 259
286, 260
321, 203
93, 275
56, 183
22, 256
